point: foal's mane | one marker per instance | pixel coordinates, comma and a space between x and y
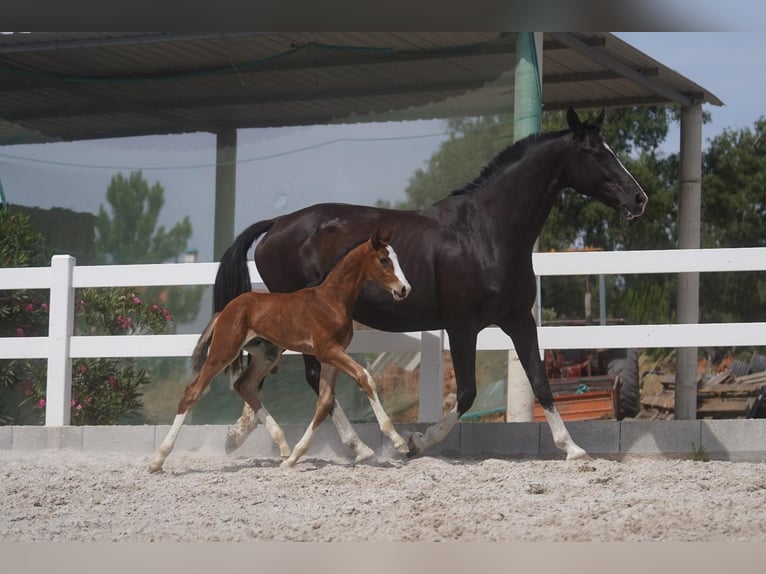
509, 155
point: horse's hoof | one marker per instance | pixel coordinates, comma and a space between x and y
153, 468
412, 443
287, 463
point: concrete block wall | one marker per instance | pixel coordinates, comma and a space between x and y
737, 440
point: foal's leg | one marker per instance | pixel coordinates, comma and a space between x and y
345, 363
248, 387
523, 331
266, 356
463, 351
216, 362
325, 401
348, 436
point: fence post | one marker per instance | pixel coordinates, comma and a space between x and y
58, 392
431, 376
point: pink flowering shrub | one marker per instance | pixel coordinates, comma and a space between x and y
105, 390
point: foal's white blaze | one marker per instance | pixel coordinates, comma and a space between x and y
398, 270
630, 175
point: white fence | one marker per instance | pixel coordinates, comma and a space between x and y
63, 277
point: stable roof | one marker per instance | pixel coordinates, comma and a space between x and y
75, 86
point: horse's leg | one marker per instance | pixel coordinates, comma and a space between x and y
341, 360
348, 436
267, 355
325, 400
248, 387
214, 365
463, 351
523, 331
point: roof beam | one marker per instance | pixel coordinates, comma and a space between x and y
112, 41
604, 59
248, 98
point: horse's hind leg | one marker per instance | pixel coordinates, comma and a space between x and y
463, 352
348, 436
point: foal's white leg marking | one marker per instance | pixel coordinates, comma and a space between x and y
435, 433
276, 432
239, 431
300, 448
386, 426
348, 436
167, 445
561, 436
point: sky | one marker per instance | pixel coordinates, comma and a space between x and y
283, 169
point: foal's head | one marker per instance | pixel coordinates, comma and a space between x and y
596, 171
382, 265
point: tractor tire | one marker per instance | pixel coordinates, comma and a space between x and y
739, 368
629, 404
758, 364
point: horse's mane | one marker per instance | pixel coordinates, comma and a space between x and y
509, 155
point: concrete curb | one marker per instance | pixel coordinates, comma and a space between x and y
736, 439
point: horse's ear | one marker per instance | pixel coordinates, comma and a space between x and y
380, 239
574, 121
599, 119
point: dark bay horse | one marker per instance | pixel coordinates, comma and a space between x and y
468, 258
315, 321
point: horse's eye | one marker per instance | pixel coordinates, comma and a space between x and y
384, 260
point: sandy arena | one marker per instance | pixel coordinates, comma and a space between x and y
74, 496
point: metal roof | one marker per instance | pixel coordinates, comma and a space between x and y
73, 86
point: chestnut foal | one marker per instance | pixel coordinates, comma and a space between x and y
314, 321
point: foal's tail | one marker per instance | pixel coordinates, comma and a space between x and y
203, 344
233, 277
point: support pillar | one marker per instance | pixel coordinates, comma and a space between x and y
225, 191
689, 213
527, 108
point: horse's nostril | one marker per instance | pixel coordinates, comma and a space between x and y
640, 198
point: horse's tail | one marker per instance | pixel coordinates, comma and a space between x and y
203, 344
233, 277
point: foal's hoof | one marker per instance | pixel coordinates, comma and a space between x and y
364, 454
153, 468
234, 440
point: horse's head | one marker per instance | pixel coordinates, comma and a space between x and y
595, 170
383, 267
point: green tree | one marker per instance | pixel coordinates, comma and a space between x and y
128, 234
733, 215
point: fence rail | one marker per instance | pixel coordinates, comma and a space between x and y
63, 277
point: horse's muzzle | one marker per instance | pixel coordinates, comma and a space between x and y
401, 293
